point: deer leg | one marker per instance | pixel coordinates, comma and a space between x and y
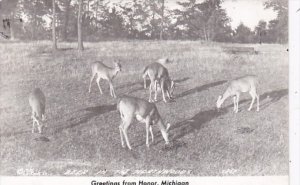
155, 85
234, 103
151, 132
98, 83
257, 101
145, 84
125, 128
112, 90
252, 94
43, 117
237, 103
163, 93
170, 97
150, 92
147, 134
39, 126
92, 78
33, 122
121, 134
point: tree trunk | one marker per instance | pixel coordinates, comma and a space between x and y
34, 27
79, 23
153, 24
162, 20
205, 34
11, 28
66, 21
96, 18
54, 41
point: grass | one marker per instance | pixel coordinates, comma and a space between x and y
83, 128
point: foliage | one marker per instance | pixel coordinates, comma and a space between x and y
278, 28
243, 34
141, 19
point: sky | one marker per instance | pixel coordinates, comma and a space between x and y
250, 12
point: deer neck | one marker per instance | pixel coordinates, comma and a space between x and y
114, 72
225, 96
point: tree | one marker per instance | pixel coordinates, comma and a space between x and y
79, 25
10, 16
67, 7
261, 31
154, 11
37, 12
278, 28
112, 24
162, 19
206, 20
54, 41
136, 16
243, 34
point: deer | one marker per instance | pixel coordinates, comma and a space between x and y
143, 111
236, 87
104, 72
163, 62
37, 102
158, 75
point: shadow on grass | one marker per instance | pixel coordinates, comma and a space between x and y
10, 134
130, 84
64, 49
181, 80
195, 123
201, 119
42, 138
200, 88
91, 112
272, 97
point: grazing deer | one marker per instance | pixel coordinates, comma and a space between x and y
37, 102
162, 61
105, 72
243, 84
158, 75
132, 107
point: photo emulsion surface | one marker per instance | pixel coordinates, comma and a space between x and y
144, 88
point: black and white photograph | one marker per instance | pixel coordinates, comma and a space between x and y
144, 88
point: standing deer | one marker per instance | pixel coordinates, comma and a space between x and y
105, 72
37, 102
244, 84
132, 107
158, 75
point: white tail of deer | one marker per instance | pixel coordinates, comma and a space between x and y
237, 86
158, 75
37, 102
131, 108
104, 72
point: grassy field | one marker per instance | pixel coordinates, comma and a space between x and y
83, 138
